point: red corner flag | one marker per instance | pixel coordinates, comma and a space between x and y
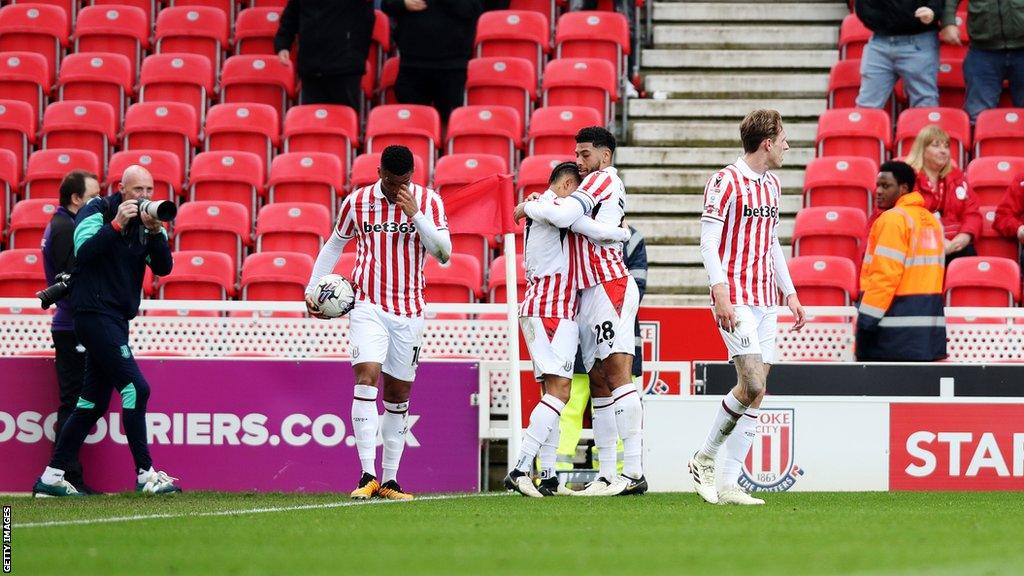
484, 207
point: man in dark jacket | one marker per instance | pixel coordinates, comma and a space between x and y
905, 45
114, 242
334, 42
76, 190
996, 53
435, 39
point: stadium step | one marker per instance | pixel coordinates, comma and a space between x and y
712, 63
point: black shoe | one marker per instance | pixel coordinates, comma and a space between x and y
636, 487
510, 479
548, 486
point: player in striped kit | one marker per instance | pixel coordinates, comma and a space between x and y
546, 317
747, 268
609, 300
395, 223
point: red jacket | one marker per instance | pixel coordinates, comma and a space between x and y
1010, 213
952, 199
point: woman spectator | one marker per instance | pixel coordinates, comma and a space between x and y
945, 191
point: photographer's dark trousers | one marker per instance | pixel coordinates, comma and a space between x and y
70, 371
109, 366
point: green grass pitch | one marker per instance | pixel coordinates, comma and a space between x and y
794, 534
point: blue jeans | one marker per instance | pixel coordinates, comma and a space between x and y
984, 72
914, 58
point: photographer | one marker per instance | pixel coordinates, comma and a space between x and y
76, 190
115, 238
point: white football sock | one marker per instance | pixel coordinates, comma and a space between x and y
728, 413
548, 453
543, 418
629, 422
605, 437
392, 429
52, 475
365, 421
737, 447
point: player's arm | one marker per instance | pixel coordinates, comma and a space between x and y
331, 251
562, 212
601, 233
718, 200
432, 228
785, 284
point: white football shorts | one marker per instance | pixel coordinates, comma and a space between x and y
552, 343
387, 339
754, 333
607, 319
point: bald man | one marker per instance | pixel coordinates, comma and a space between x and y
113, 244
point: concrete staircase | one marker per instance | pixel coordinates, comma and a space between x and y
712, 63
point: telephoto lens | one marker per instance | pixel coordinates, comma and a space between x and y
162, 210
51, 294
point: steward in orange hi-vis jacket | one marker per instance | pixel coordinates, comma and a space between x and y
901, 315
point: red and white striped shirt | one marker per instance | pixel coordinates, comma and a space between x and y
748, 205
550, 270
604, 198
389, 255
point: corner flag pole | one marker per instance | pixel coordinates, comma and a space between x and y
515, 415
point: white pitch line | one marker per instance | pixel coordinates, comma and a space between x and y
115, 519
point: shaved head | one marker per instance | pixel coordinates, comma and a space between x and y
136, 182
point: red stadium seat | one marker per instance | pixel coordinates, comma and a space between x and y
853, 36
227, 176
841, 181
10, 180
514, 34
149, 7
502, 82
37, 28
346, 264
198, 275
414, 126
456, 170
535, 171
69, 7
120, 30
280, 276
824, 280
496, 130
999, 132
25, 76
388, 77
951, 83
164, 166
831, 232
497, 288
100, 77
327, 128
980, 281
992, 244
292, 227
226, 6
169, 126
255, 30
594, 34
29, 219
246, 127
954, 121
380, 42
262, 79
268, 3
863, 132
21, 273
47, 168
314, 177
553, 129
193, 30
990, 176
17, 129
546, 8
211, 225
459, 280
364, 170
844, 84
80, 124
585, 82
184, 78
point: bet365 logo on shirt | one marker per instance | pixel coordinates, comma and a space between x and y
761, 212
390, 227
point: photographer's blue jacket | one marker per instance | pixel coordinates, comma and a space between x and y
111, 265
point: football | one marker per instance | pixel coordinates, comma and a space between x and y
334, 296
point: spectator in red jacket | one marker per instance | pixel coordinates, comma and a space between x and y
1010, 214
945, 191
